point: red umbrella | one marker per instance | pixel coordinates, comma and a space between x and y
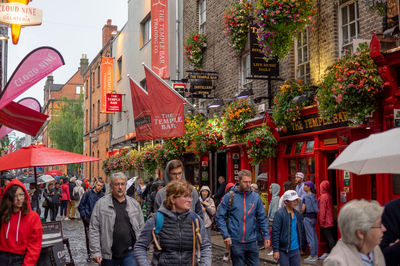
40, 155
54, 172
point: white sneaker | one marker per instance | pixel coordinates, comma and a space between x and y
226, 256
311, 259
270, 253
66, 219
323, 256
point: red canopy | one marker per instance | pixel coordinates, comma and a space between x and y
54, 172
40, 155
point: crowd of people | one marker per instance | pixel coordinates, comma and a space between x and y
180, 220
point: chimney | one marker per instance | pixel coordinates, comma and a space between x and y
84, 63
107, 31
50, 80
47, 85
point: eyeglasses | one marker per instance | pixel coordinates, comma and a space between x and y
19, 195
380, 226
176, 174
186, 197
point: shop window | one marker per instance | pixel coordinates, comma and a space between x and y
288, 148
292, 166
303, 165
311, 165
310, 146
299, 146
396, 184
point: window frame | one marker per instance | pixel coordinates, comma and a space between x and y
343, 45
202, 10
119, 68
245, 69
304, 63
145, 28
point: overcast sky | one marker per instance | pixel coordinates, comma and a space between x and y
73, 27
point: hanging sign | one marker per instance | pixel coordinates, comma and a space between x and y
201, 83
159, 38
17, 13
180, 88
258, 65
107, 76
113, 102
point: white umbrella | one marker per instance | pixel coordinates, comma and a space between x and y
379, 153
130, 182
45, 179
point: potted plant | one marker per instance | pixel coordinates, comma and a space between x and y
236, 23
261, 144
193, 48
352, 86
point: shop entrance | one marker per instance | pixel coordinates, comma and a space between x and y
220, 169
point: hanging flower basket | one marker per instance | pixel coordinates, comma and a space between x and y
193, 48
209, 137
118, 162
173, 148
261, 144
234, 120
279, 22
236, 23
378, 6
352, 86
285, 110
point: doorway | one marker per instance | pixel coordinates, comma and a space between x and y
332, 177
220, 169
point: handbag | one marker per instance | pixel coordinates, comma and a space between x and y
45, 204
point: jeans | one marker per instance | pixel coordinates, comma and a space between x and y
244, 253
289, 259
311, 234
330, 240
63, 210
54, 211
10, 259
86, 222
128, 260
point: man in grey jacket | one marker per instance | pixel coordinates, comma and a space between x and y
174, 171
115, 225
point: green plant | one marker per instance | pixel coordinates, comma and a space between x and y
351, 85
236, 114
193, 48
279, 22
209, 137
261, 144
285, 110
237, 23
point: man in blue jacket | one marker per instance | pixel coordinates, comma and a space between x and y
86, 206
239, 221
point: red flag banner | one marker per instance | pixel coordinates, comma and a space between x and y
107, 74
168, 118
159, 38
141, 111
29, 102
35, 66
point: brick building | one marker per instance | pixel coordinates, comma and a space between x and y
96, 123
53, 97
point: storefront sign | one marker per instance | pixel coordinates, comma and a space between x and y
236, 165
314, 122
396, 117
17, 13
180, 88
201, 83
107, 75
258, 65
52, 237
113, 102
346, 178
159, 38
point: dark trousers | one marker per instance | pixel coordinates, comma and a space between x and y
54, 211
11, 259
292, 258
46, 212
330, 240
244, 253
128, 260
63, 210
86, 222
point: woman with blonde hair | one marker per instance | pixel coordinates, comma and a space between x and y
179, 235
362, 230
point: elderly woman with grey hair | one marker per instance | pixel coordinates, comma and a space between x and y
362, 230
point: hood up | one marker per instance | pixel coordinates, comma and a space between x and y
205, 188
21, 185
324, 187
78, 183
276, 189
167, 178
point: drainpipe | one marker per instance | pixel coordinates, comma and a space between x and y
177, 45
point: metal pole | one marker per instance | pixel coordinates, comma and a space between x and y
37, 187
269, 93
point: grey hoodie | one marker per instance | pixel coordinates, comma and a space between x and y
274, 204
161, 195
146, 237
209, 207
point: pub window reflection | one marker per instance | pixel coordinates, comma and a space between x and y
299, 146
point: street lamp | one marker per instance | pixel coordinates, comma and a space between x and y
216, 103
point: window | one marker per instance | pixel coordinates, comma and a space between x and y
143, 84
349, 25
98, 112
305, 164
98, 76
78, 89
86, 86
302, 58
246, 71
87, 120
145, 27
202, 16
119, 68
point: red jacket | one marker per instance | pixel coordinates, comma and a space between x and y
65, 191
22, 234
325, 205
